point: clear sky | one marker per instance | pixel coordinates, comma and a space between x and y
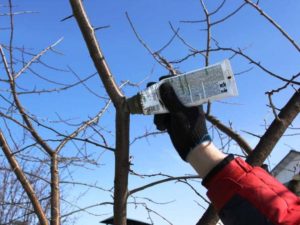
128, 60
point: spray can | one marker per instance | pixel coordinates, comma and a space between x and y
193, 88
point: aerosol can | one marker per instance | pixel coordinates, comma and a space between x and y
193, 88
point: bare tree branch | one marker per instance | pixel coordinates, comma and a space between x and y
66, 87
96, 53
229, 15
36, 58
208, 32
276, 25
160, 182
218, 8
23, 180
82, 127
21, 109
18, 13
273, 106
275, 131
122, 113
227, 130
158, 58
85, 208
55, 191
251, 60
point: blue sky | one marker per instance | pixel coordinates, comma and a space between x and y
128, 60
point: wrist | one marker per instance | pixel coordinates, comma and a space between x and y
204, 157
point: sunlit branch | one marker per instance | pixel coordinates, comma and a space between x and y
35, 58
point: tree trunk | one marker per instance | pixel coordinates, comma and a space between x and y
209, 217
121, 166
55, 192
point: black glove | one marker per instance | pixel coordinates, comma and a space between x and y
185, 125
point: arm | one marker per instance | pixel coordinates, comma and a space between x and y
245, 195
242, 194
204, 157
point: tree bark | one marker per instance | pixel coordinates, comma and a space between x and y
121, 166
95, 52
210, 217
55, 191
122, 113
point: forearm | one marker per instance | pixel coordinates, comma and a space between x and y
234, 187
205, 157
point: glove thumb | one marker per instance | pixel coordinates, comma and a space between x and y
170, 99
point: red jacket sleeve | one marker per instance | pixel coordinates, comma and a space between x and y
255, 186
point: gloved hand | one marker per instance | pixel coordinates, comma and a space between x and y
185, 125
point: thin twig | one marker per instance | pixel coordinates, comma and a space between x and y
168, 43
160, 182
208, 32
18, 13
145, 135
218, 8
227, 130
229, 15
275, 131
284, 86
58, 89
252, 61
252, 134
157, 57
83, 209
82, 127
272, 106
273, 22
37, 57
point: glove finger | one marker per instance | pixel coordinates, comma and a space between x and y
162, 121
170, 99
150, 84
195, 112
164, 77
161, 78
180, 133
